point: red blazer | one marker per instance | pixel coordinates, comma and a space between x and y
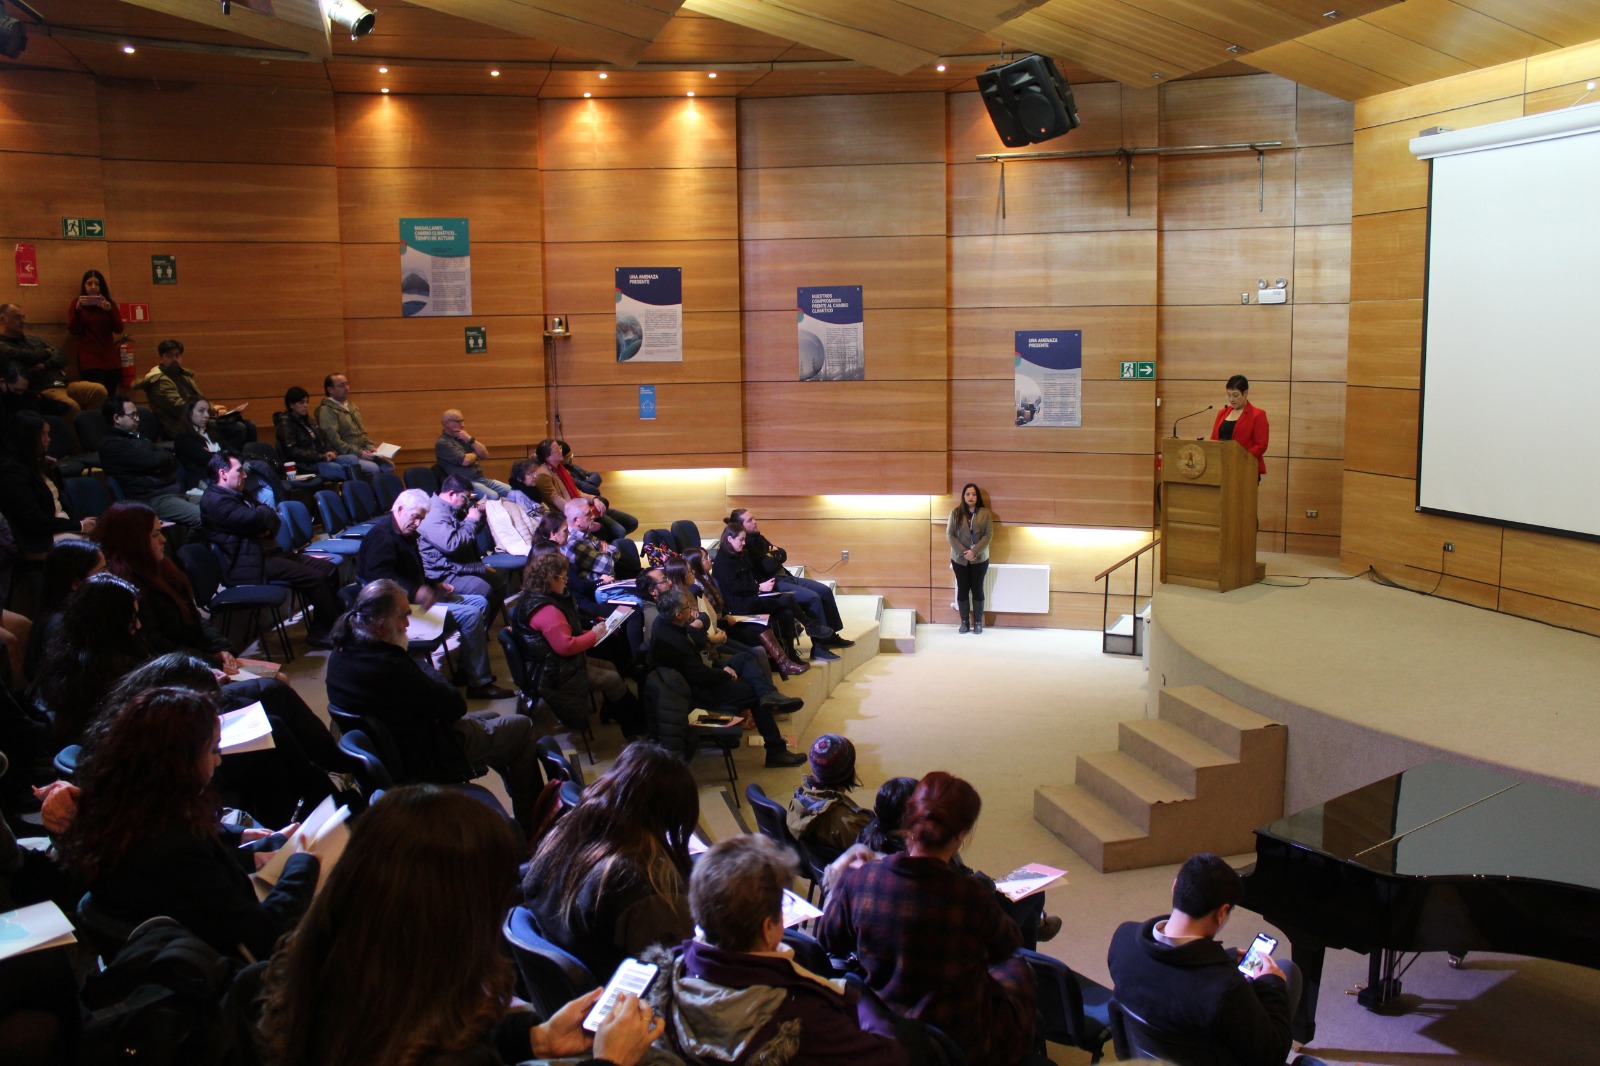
1250, 431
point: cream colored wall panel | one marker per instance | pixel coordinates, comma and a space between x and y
882, 552
1215, 266
582, 277
1316, 429
1389, 177
499, 205
1228, 110
1578, 63
1388, 256
1381, 431
1062, 489
803, 131
1321, 265
1051, 195
899, 200
1321, 341
589, 355
429, 353
1463, 90
1062, 269
626, 133
983, 339
1217, 342
1322, 186
872, 507
505, 419
890, 472
1380, 520
1226, 191
900, 343
192, 122
858, 416
892, 271
41, 190
1557, 568
1316, 485
56, 113
1321, 118
1179, 397
1386, 343
302, 277
505, 280
435, 131
1117, 417
640, 205
244, 202
691, 421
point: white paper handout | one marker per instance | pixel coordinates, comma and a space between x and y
246, 729
33, 929
323, 833
1027, 880
797, 909
386, 451
427, 623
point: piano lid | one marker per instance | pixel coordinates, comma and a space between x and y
1444, 819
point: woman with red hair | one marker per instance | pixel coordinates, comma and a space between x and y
933, 941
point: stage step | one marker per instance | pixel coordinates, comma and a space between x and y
1201, 777
897, 630
1125, 636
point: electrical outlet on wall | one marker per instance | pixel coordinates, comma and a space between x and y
844, 555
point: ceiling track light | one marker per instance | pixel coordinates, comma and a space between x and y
350, 16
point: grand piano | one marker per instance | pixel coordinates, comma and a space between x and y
1442, 857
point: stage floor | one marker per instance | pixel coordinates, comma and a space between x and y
1372, 680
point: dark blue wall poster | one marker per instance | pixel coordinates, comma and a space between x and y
832, 332
649, 314
1049, 378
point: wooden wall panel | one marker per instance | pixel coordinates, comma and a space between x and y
1272, 500
900, 200
657, 498
1050, 195
1386, 343
501, 417
245, 203
1556, 568
892, 552
581, 278
41, 189
496, 203
1058, 269
1388, 255
1228, 111
1215, 342
625, 133
1553, 612
191, 122
1321, 264
1381, 521
1322, 185
304, 277
893, 271
1579, 63
822, 469
1382, 435
407, 354
691, 421
1321, 342
1224, 191
983, 339
857, 416
1117, 417
622, 206
1316, 485
1321, 118
1215, 266
710, 352
1480, 86
1316, 424
1120, 117
1062, 489
61, 266
505, 279
491, 132
902, 344
1388, 177
55, 113
884, 129
1180, 396
257, 360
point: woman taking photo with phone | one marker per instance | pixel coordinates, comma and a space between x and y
93, 318
969, 532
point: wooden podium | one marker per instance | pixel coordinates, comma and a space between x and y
1208, 514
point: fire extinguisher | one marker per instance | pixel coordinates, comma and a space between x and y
125, 353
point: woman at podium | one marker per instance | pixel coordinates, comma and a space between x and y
1240, 420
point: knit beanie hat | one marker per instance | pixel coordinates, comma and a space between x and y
833, 761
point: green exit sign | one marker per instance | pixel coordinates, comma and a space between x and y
83, 229
1136, 371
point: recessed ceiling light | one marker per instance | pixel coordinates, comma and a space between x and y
128, 49
940, 67
383, 70
587, 95
494, 74
1234, 49
691, 92
384, 91
603, 74
1330, 14
711, 74
1157, 75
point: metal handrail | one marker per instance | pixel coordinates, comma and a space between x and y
1126, 559
1105, 575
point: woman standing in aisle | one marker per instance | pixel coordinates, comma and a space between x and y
969, 531
93, 318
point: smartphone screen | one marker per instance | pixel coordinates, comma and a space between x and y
633, 977
1262, 948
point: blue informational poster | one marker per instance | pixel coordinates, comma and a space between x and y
647, 402
1049, 378
435, 267
649, 314
832, 334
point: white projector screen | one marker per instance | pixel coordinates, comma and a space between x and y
1510, 420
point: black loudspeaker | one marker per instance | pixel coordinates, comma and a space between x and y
1028, 100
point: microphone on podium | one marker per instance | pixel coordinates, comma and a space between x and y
1203, 410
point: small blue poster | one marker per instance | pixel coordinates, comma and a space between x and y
832, 334
1049, 378
435, 267
649, 314
647, 402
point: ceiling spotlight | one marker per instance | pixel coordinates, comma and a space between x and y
603, 74
383, 70
940, 68
494, 74
350, 16
1234, 49
13, 37
128, 49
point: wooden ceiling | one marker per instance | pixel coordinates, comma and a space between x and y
747, 48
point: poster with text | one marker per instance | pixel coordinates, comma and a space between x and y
649, 314
1049, 378
435, 267
832, 334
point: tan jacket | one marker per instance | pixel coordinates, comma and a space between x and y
977, 538
342, 424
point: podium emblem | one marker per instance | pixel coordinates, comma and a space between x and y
1191, 461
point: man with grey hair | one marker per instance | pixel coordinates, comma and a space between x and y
44, 364
389, 550
736, 994
439, 740
460, 453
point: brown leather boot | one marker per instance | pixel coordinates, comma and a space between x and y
780, 659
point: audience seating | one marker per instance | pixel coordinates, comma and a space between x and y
66, 762
513, 564
61, 445
1073, 1010
370, 743
668, 702
205, 574
105, 932
551, 976
115, 488
936, 1048
1133, 1037
297, 517
150, 427
772, 821
84, 497
685, 534
422, 477
388, 486
514, 644
335, 519
92, 429
361, 502
555, 764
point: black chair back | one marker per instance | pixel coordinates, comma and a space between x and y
370, 770
204, 573
685, 534
773, 820
1073, 1010
150, 426
1133, 1037
85, 497
106, 932
388, 488
554, 762
362, 500
92, 429
421, 477
551, 976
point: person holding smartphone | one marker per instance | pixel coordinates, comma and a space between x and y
1173, 976
93, 318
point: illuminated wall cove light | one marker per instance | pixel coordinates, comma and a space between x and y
350, 17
